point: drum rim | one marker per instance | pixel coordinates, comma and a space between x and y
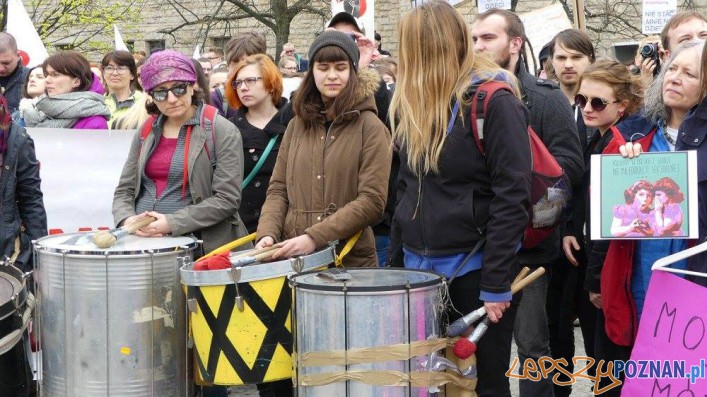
98, 251
436, 279
277, 269
14, 276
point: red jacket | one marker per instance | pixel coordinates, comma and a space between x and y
621, 318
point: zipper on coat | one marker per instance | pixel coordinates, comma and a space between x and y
323, 168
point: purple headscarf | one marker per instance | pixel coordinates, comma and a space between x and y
164, 66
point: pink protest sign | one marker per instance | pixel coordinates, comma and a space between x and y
669, 356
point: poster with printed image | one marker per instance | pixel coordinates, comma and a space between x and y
651, 196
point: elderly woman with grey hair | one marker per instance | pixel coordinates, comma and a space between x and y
675, 90
671, 96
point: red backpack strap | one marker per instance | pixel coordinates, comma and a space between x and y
147, 127
479, 105
208, 115
145, 130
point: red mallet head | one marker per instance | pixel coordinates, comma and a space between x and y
464, 348
215, 262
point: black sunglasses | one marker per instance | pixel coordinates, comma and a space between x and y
598, 104
179, 90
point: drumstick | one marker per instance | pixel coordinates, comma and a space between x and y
466, 347
107, 238
265, 256
521, 275
527, 280
460, 325
256, 252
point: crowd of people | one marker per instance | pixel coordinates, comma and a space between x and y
351, 144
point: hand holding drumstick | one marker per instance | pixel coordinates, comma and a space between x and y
300, 245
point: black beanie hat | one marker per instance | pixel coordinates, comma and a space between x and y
335, 38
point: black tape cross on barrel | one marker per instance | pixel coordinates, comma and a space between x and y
274, 320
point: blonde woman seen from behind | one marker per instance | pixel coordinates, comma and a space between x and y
452, 196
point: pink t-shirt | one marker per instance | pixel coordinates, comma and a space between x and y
157, 167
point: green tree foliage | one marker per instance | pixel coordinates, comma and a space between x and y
84, 25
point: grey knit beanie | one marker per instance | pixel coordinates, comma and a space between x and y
335, 38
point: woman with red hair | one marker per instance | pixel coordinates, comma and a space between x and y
254, 88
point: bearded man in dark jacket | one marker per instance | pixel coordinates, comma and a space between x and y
501, 34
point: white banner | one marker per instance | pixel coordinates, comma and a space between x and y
361, 10
80, 170
656, 14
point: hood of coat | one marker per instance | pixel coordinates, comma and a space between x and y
368, 83
635, 126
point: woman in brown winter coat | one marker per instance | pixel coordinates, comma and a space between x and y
331, 176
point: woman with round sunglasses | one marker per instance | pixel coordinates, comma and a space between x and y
254, 88
172, 175
74, 95
607, 93
120, 76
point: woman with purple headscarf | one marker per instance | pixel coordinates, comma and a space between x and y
182, 169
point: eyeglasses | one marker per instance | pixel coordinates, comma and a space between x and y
179, 90
598, 104
115, 69
290, 68
250, 81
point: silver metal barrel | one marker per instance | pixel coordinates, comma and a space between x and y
112, 322
368, 309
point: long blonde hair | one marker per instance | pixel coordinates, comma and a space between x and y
134, 117
436, 65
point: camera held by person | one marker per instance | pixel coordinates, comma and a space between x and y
652, 51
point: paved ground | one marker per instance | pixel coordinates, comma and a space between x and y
581, 389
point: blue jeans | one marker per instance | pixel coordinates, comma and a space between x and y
532, 335
382, 244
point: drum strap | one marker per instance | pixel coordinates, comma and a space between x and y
15, 254
347, 248
260, 162
233, 244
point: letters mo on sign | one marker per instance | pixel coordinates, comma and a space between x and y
673, 327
